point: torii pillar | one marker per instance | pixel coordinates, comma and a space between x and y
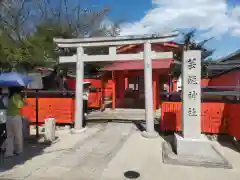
78, 126
148, 88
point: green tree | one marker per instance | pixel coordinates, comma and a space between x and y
14, 17
28, 28
189, 42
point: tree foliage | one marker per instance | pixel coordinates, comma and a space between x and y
27, 29
189, 42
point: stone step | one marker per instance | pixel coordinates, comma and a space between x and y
120, 114
116, 117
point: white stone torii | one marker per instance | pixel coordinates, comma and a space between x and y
112, 42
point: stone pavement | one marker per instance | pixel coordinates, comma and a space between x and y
80, 156
106, 151
145, 156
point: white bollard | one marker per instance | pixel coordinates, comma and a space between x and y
49, 133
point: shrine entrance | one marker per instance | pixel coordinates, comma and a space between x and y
128, 77
129, 91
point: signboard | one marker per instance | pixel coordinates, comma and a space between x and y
191, 80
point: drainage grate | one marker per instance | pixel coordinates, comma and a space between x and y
131, 174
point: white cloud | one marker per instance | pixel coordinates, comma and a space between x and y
212, 16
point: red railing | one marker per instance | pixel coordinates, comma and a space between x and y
216, 118
60, 108
95, 83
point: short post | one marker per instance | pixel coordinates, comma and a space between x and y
78, 126
149, 113
49, 132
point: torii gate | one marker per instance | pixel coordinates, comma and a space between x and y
112, 42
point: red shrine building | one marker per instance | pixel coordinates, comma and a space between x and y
128, 77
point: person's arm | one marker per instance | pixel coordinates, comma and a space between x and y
18, 101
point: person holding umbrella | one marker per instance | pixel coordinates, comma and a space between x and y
14, 142
16, 82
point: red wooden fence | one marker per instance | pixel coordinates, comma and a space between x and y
95, 83
216, 118
60, 108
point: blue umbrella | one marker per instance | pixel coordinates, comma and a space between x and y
14, 79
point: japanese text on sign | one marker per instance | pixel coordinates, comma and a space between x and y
192, 95
191, 63
192, 80
192, 112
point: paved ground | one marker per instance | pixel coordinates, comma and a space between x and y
145, 156
105, 152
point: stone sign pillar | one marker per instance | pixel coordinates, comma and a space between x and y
191, 103
188, 142
192, 147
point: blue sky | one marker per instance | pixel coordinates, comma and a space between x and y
213, 18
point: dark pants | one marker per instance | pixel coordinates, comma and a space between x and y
3, 133
85, 110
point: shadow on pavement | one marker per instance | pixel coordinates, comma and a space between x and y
167, 136
228, 141
32, 148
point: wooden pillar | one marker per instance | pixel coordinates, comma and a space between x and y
126, 82
121, 87
114, 90
102, 92
135, 87
116, 84
155, 91
138, 92
159, 88
170, 83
